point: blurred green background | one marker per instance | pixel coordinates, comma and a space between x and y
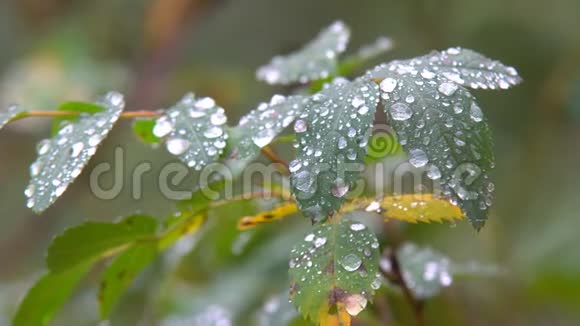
156, 50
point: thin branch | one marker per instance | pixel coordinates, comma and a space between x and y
272, 156
72, 114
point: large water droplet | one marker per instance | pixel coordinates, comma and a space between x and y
294, 166
475, 112
433, 173
401, 111
76, 149
388, 85
213, 132
448, 88
339, 188
303, 181
357, 102
264, 137
300, 126
354, 304
177, 146
43, 146
418, 158
162, 128
205, 103
351, 262
357, 227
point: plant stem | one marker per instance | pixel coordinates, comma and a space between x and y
72, 114
273, 156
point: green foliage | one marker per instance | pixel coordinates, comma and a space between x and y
47, 296
317, 60
332, 135
334, 268
143, 129
92, 240
193, 131
121, 272
62, 158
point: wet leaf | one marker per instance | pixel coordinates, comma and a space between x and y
62, 158
119, 275
94, 240
424, 270
332, 136
334, 271
48, 295
259, 127
185, 224
76, 107
317, 60
143, 129
193, 130
461, 66
444, 133
12, 112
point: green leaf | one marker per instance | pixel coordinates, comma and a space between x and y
47, 296
462, 66
12, 112
143, 129
317, 60
424, 270
443, 130
78, 107
335, 266
332, 136
258, 128
193, 131
91, 241
62, 158
121, 272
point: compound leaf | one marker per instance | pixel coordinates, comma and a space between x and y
443, 130
62, 158
317, 60
193, 131
93, 240
121, 272
332, 136
334, 268
424, 270
47, 296
12, 112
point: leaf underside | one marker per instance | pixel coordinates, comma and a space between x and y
334, 271
332, 136
62, 158
317, 60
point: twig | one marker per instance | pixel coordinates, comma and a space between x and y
272, 156
72, 114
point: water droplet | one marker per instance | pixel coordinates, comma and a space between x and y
418, 158
76, 149
264, 137
319, 242
475, 112
162, 128
294, 166
303, 181
448, 89
433, 173
357, 102
374, 206
94, 140
357, 227
43, 146
213, 132
354, 304
427, 74
401, 111
300, 126
205, 103
388, 85
115, 98
218, 118
339, 188
351, 262
177, 146
309, 237
342, 143
363, 110
410, 99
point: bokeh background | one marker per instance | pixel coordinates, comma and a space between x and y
156, 50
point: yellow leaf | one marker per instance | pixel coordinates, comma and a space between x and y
340, 317
275, 214
412, 208
184, 225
